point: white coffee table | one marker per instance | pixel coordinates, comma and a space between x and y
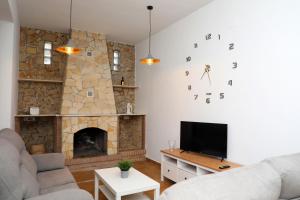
131, 188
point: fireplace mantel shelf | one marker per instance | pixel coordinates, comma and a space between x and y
39, 80
126, 86
76, 115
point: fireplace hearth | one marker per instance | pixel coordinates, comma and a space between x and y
90, 142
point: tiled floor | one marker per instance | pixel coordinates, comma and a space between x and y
85, 179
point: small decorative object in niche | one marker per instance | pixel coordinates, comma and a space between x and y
37, 149
29, 119
90, 92
124, 166
34, 110
89, 53
129, 109
172, 144
122, 81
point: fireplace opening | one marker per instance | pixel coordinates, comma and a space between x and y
90, 142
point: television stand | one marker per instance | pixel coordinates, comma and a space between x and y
178, 166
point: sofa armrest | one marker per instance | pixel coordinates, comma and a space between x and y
49, 161
69, 194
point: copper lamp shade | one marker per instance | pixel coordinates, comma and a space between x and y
68, 48
149, 60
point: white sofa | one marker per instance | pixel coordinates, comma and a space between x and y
272, 179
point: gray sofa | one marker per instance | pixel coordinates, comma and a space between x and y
39, 177
272, 179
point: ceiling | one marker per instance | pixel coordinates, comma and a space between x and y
121, 20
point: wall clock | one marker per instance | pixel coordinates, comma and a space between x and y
214, 68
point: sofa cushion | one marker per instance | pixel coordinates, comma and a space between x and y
289, 169
13, 137
69, 194
255, 182
29, 163
10, 182
53, 178
49, 161
30, 185
58, 188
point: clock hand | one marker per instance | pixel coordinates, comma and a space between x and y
203, 74
209, 78
206, 70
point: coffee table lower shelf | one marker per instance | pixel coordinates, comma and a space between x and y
110, 196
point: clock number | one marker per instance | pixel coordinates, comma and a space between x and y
230, 82
187, 73
188, 59
207, 100
208, 36
190, 87
219, 36
195, 45
195, 96
222, 95
231, 46
235, 65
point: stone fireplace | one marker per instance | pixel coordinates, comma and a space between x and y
88, 98
76, 93
90, 142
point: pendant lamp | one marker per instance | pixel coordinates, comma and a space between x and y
149, 60
69, 48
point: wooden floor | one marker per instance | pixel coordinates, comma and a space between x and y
85, 179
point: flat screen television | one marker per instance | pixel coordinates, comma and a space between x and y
206, 138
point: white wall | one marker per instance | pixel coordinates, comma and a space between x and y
262, 108
9, 60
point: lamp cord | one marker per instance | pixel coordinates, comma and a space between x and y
71, 5
150, 32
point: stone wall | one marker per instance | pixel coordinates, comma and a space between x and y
46, 96
127, 65
32, 54
70, 125
39, 131
131, 133
126, 70
88, 71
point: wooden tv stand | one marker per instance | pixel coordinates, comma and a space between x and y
178, 166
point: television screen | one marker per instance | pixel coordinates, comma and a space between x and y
207, 138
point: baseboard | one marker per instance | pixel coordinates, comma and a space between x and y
153, 161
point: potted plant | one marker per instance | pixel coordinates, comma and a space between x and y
124, 166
